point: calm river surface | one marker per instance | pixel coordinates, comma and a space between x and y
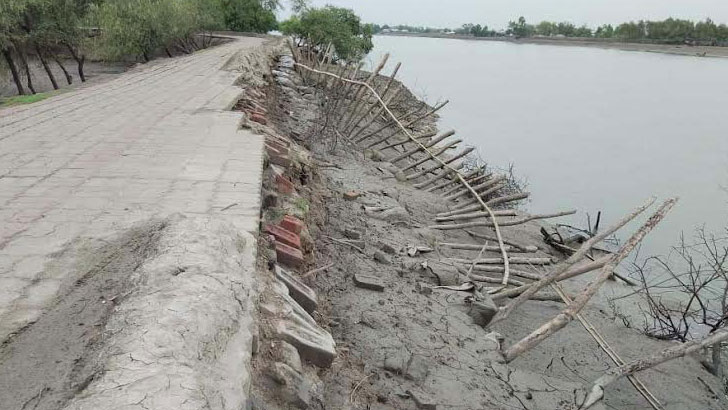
591, 129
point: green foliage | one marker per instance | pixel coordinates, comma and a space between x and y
25, 99
249, 15
319, 27
520, 28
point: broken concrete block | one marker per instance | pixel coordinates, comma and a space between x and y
352, 195
299, 291
352, 233
482, 310
297, 327
381, 257
295, 388
368, 282
284, 352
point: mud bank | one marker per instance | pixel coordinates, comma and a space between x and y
682, 50
375, 268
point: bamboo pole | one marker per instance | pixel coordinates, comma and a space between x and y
525, 248
503, 223
357, 95
514, 260
441, 164
440, 176
472, 181
407, 124
351, 126
682, 350
568, 314
487, 184
446, 166
468, 177
405, 141
440, 150
469, 207
573, 259
429, 144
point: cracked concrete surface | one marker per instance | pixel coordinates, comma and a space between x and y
155, 144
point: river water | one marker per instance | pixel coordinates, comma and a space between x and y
589, 129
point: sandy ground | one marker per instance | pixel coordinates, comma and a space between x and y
410, 348
685, 50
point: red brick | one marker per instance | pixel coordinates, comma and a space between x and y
289, 255
258, 118
284, 185
284, 235
291, 224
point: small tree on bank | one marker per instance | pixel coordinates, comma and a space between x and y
319, 27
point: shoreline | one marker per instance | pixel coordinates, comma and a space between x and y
670, 49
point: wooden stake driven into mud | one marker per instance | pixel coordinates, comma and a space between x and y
442, 163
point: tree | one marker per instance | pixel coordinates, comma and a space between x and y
319, 27
520, 28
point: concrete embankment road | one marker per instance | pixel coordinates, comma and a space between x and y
126, 254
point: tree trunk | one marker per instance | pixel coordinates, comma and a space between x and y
717, 361
166, 50
80, 61
145, 55
47, 68
69, 79
24, 61
14, 71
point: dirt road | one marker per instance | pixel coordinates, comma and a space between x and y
78, 171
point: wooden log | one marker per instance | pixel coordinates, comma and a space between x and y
440, 165
429, 144
568, 314
440, 150
503, 223
514, 260
671, 353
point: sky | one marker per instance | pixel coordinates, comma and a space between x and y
497, 13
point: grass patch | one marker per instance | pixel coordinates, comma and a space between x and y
25, 99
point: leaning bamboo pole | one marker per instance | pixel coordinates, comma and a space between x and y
436, 159
568, 314
503, 223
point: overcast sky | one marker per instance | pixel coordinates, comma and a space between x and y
497, 13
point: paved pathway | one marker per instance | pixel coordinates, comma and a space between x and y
155, 141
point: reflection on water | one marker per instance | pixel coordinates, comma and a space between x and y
592, 129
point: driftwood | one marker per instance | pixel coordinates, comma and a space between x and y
597, 390
566, 316
503, 223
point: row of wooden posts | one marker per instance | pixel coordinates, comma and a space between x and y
366, 120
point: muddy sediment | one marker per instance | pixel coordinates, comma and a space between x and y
402, 341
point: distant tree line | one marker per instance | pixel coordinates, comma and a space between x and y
670, 31
49, 30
